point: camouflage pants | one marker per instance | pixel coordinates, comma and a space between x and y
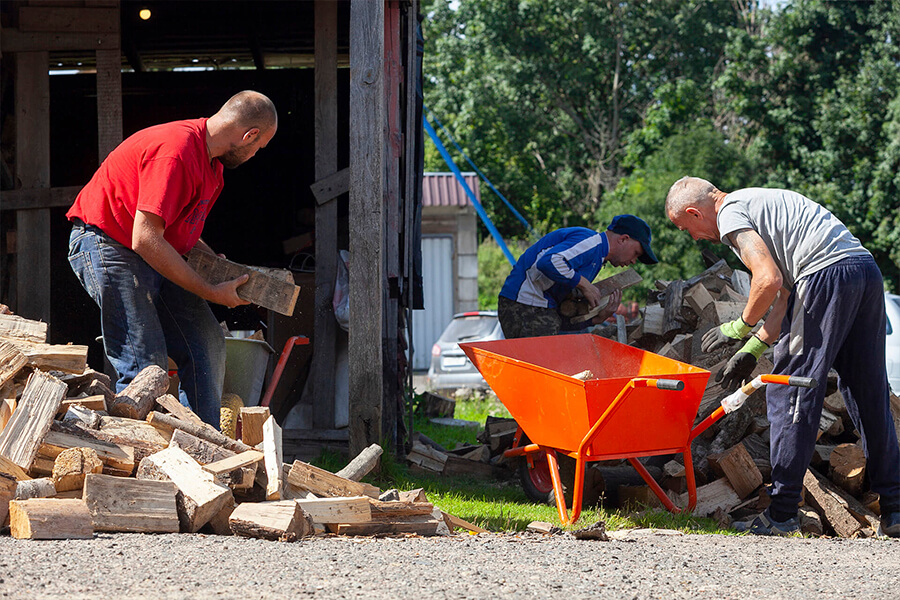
520, 320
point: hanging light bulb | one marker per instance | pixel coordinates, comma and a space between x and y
144, 14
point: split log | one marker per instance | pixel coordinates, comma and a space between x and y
133, 430
419, 525
261, 289
672, 317
427, 458
698, 298
848, 468
19, 328
35, 488
168, 423
654, 316
738, 467
397, 511
117, 459
199, 496
171, 404
96, 403
718, 495
7, 408
363, 464
810, 521
131, 505
830, 423
273, 459
53, 357
7, 492
437, 405
219, 523
416, 495
252, 419
77, 382
137, 399
356, 509
843, 513
284, 521
454, 522
458, 466
22, 435
50, 519
236, 462
98, 388
326, 484
11, 362
71, 467
203, 451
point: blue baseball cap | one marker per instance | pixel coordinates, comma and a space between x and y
637, 229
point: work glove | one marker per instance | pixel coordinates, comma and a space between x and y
741, 365
724, 334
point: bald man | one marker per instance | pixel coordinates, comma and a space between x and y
141, 212
827, 311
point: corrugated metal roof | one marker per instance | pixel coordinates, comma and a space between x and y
442, 189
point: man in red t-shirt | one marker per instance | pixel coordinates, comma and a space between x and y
141, 212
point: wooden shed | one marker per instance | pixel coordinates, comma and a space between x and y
342, 173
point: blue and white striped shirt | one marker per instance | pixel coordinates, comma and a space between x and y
553, 266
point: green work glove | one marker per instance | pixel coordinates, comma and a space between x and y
741, 365
725, 333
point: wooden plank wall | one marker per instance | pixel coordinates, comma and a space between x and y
44, 27
366, 222
393, 150
326, 113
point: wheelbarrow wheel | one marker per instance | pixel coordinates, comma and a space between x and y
537, 483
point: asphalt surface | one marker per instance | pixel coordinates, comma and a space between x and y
513, 566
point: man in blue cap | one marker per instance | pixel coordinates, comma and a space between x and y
562, 261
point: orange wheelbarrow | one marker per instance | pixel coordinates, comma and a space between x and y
624, 403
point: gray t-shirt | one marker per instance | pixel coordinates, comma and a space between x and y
803, 236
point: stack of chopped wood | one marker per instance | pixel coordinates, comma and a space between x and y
77, 458
732, 457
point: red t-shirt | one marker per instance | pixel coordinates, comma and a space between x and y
164, 170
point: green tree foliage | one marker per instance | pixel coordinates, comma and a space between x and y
582, 109
542, 95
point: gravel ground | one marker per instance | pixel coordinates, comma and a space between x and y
519, 566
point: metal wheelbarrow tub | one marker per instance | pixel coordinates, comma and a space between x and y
632, 404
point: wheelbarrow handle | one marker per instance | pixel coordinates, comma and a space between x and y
667, 384
806, 382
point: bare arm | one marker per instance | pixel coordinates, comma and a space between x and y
591, 293
767, 279
148, 241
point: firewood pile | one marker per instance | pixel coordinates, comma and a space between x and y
77, 458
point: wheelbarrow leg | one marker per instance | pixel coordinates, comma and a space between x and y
660, 493
557, 486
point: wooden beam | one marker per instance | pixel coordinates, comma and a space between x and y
25, 431
39, 197
366, 222
261, 289
109, 99
60, 19
326, 133
13, 41
32, 105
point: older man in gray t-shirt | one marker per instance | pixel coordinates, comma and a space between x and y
826, 296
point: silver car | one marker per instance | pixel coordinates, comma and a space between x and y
450, 368
892, 341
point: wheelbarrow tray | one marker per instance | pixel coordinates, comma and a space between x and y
533, 378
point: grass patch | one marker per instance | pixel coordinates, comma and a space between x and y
499, 505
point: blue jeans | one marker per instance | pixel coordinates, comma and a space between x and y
835, 318
146, 319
